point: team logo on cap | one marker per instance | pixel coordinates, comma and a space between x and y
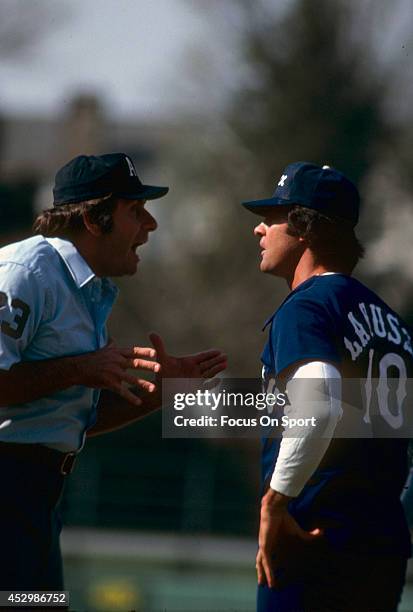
132, 171
282, 180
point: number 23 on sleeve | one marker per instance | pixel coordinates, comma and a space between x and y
16, 327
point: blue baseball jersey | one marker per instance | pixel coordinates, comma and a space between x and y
354, 494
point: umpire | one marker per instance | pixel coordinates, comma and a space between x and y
61, 378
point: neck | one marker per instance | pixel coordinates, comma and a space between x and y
306, 268
87, 249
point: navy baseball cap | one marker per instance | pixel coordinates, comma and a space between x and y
324, 189
93, 176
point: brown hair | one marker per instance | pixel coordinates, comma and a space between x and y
68, 218
332, 240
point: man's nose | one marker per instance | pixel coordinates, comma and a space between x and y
259, 230
150, 222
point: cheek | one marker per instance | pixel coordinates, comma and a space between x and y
115, 241
133, 226
277, 239
127, 232
282, 243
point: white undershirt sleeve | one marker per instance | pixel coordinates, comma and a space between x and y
314, 393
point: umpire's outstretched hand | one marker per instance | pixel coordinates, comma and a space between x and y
107, 368
206, 364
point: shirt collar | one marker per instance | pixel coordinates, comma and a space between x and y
79, 269
300, 286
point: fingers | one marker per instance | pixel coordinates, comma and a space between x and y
140, 382
211, 363
137, 351
145, 384
205, 355
129, 378
207, 364
316, 532
268, 572
310, 536
265, 573
143, 364
260, 570
129, 396
131, 361
220, 367
159, 345
140, 351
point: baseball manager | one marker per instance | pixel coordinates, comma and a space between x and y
332, 535
61, 377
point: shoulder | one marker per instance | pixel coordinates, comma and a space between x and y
31, 257
324, 293
316, 306
328, 285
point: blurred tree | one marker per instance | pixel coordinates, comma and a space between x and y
22, 25
311, 93
311, 88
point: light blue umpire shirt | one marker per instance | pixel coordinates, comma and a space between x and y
51, 305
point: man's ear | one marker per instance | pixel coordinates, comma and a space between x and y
92, 227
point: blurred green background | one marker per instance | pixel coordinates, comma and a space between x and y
215, 99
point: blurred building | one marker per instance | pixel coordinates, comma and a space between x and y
32, 148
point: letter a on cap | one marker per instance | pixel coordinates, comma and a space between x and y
132, 171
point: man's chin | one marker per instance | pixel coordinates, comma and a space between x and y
264, 267
132, 270
133, 263
128, 270
268, 269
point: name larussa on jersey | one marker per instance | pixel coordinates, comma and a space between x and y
335, 318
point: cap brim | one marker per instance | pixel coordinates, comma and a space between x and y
148, 192
259, 207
